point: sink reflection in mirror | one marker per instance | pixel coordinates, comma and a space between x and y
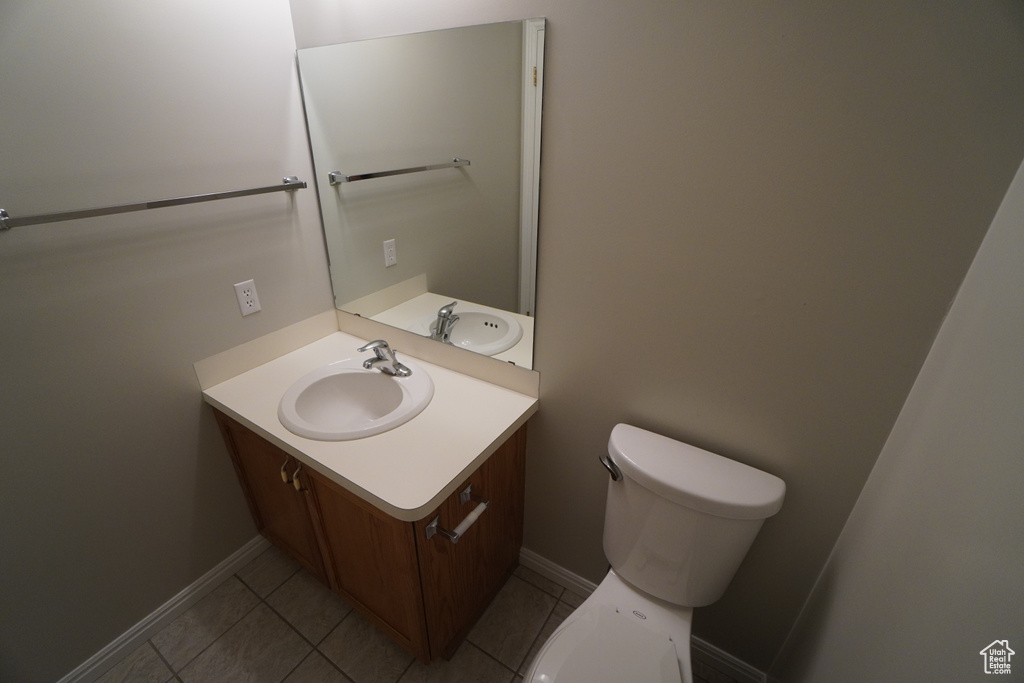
343, 400
481, 332
482, 329
417, 101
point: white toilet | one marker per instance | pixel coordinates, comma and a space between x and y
678, 522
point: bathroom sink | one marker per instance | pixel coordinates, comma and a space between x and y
487, 333
342, 401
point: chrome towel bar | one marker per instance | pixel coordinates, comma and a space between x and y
289, 184
337, 177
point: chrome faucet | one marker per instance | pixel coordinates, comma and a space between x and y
445, 322
384, 360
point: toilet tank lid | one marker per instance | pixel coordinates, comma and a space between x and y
693, 477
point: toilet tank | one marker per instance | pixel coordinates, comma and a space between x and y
681, 519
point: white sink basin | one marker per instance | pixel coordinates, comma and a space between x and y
342, 401
483, 332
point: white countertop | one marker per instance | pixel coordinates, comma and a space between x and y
406, 472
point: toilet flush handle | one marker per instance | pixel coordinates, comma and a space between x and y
612, 468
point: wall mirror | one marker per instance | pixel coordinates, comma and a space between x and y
426, 149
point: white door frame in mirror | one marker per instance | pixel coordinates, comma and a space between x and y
533, 90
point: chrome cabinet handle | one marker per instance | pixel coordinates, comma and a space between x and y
295, 478
284, 474
458, 532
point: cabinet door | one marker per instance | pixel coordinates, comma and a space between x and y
460, 579
280, 511
373, 563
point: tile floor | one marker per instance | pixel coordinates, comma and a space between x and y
272, 622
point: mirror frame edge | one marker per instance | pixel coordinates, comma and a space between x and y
529, 212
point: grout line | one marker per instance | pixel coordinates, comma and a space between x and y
324, 654
488, 655
331, 661
160, 656
298, 663
315, 646
215, 640
561, 589
406, 669
274, 589
536, 638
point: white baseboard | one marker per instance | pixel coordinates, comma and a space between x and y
560, 575
102, 661
702, 653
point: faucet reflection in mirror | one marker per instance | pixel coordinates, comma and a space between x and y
467, 232
446, 319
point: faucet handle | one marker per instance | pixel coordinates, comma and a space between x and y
446, 310
385, 359
381, 352
376, 345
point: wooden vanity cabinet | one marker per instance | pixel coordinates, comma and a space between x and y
373, 564
425, 593
281, 511
460, 579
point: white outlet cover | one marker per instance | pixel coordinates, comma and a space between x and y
248, 300
390, 253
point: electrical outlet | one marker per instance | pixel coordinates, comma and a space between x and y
390, 253
248, 301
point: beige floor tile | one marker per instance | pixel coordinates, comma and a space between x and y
558, 615
541, 582
268, 571
141, 666
573, 599
363, 653
261, 648
231, 636
309, 606
469, 665
511, 623
194, 630
316, 669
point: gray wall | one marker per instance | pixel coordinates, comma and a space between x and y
116, 490
915, 573
754, 217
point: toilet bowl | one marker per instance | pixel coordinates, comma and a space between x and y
678, 522
618, 634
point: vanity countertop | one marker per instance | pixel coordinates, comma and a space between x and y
406, 472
